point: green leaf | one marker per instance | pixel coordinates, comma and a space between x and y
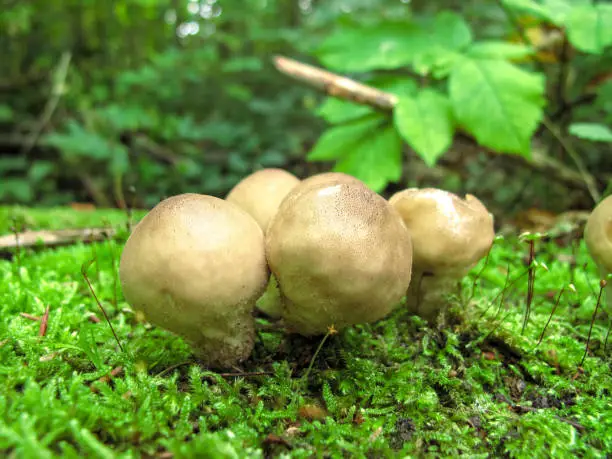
126, 117
376, 160
13, 163
589, 27
6, 113
336, 111
16, 189
337, 141
497, 102
591, 131
532, 8
426, 123
242, 64
499, 50
40, 170
438, 62
78, 141
559, 9
389, 45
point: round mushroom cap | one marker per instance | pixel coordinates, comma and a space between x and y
341, 255
195, 265
330, 177
598, 235
261, 193
449, 234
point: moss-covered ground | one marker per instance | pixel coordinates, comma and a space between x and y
474, 385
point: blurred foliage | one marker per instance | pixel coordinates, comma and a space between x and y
131, 101
165, 96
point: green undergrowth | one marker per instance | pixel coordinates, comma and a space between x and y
472, 384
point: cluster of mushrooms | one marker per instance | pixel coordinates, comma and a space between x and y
315, 253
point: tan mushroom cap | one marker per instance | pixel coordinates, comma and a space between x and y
329, 177
195, 265
598, 235
449, 234
341, 255
261, 193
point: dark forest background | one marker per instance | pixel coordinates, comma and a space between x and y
122, 102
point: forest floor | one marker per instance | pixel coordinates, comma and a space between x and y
475, 385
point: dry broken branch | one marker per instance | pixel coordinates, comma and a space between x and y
336, 85
53, 238
345, 88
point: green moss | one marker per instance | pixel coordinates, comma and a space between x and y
474, 386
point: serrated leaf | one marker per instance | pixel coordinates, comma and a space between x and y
497, 102
559, 9
337, 141
499, 50
425, 122
532, 8
591, 131
336, 111
389, 45
376, 160
589, 27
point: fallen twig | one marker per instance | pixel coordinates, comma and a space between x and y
53, 238
336, 85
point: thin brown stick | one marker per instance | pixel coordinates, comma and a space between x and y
552, 313
44, 323
25, 315
84, 268
53, 238
336, 85
530, 285
602, 285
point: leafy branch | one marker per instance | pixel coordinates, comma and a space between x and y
339, 86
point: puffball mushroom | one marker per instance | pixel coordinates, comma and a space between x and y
598, 239
195, 265
340, 253
449, 236
261, 193
271, 302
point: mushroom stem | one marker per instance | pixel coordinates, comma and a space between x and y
271, 302
427, 295
222, 346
